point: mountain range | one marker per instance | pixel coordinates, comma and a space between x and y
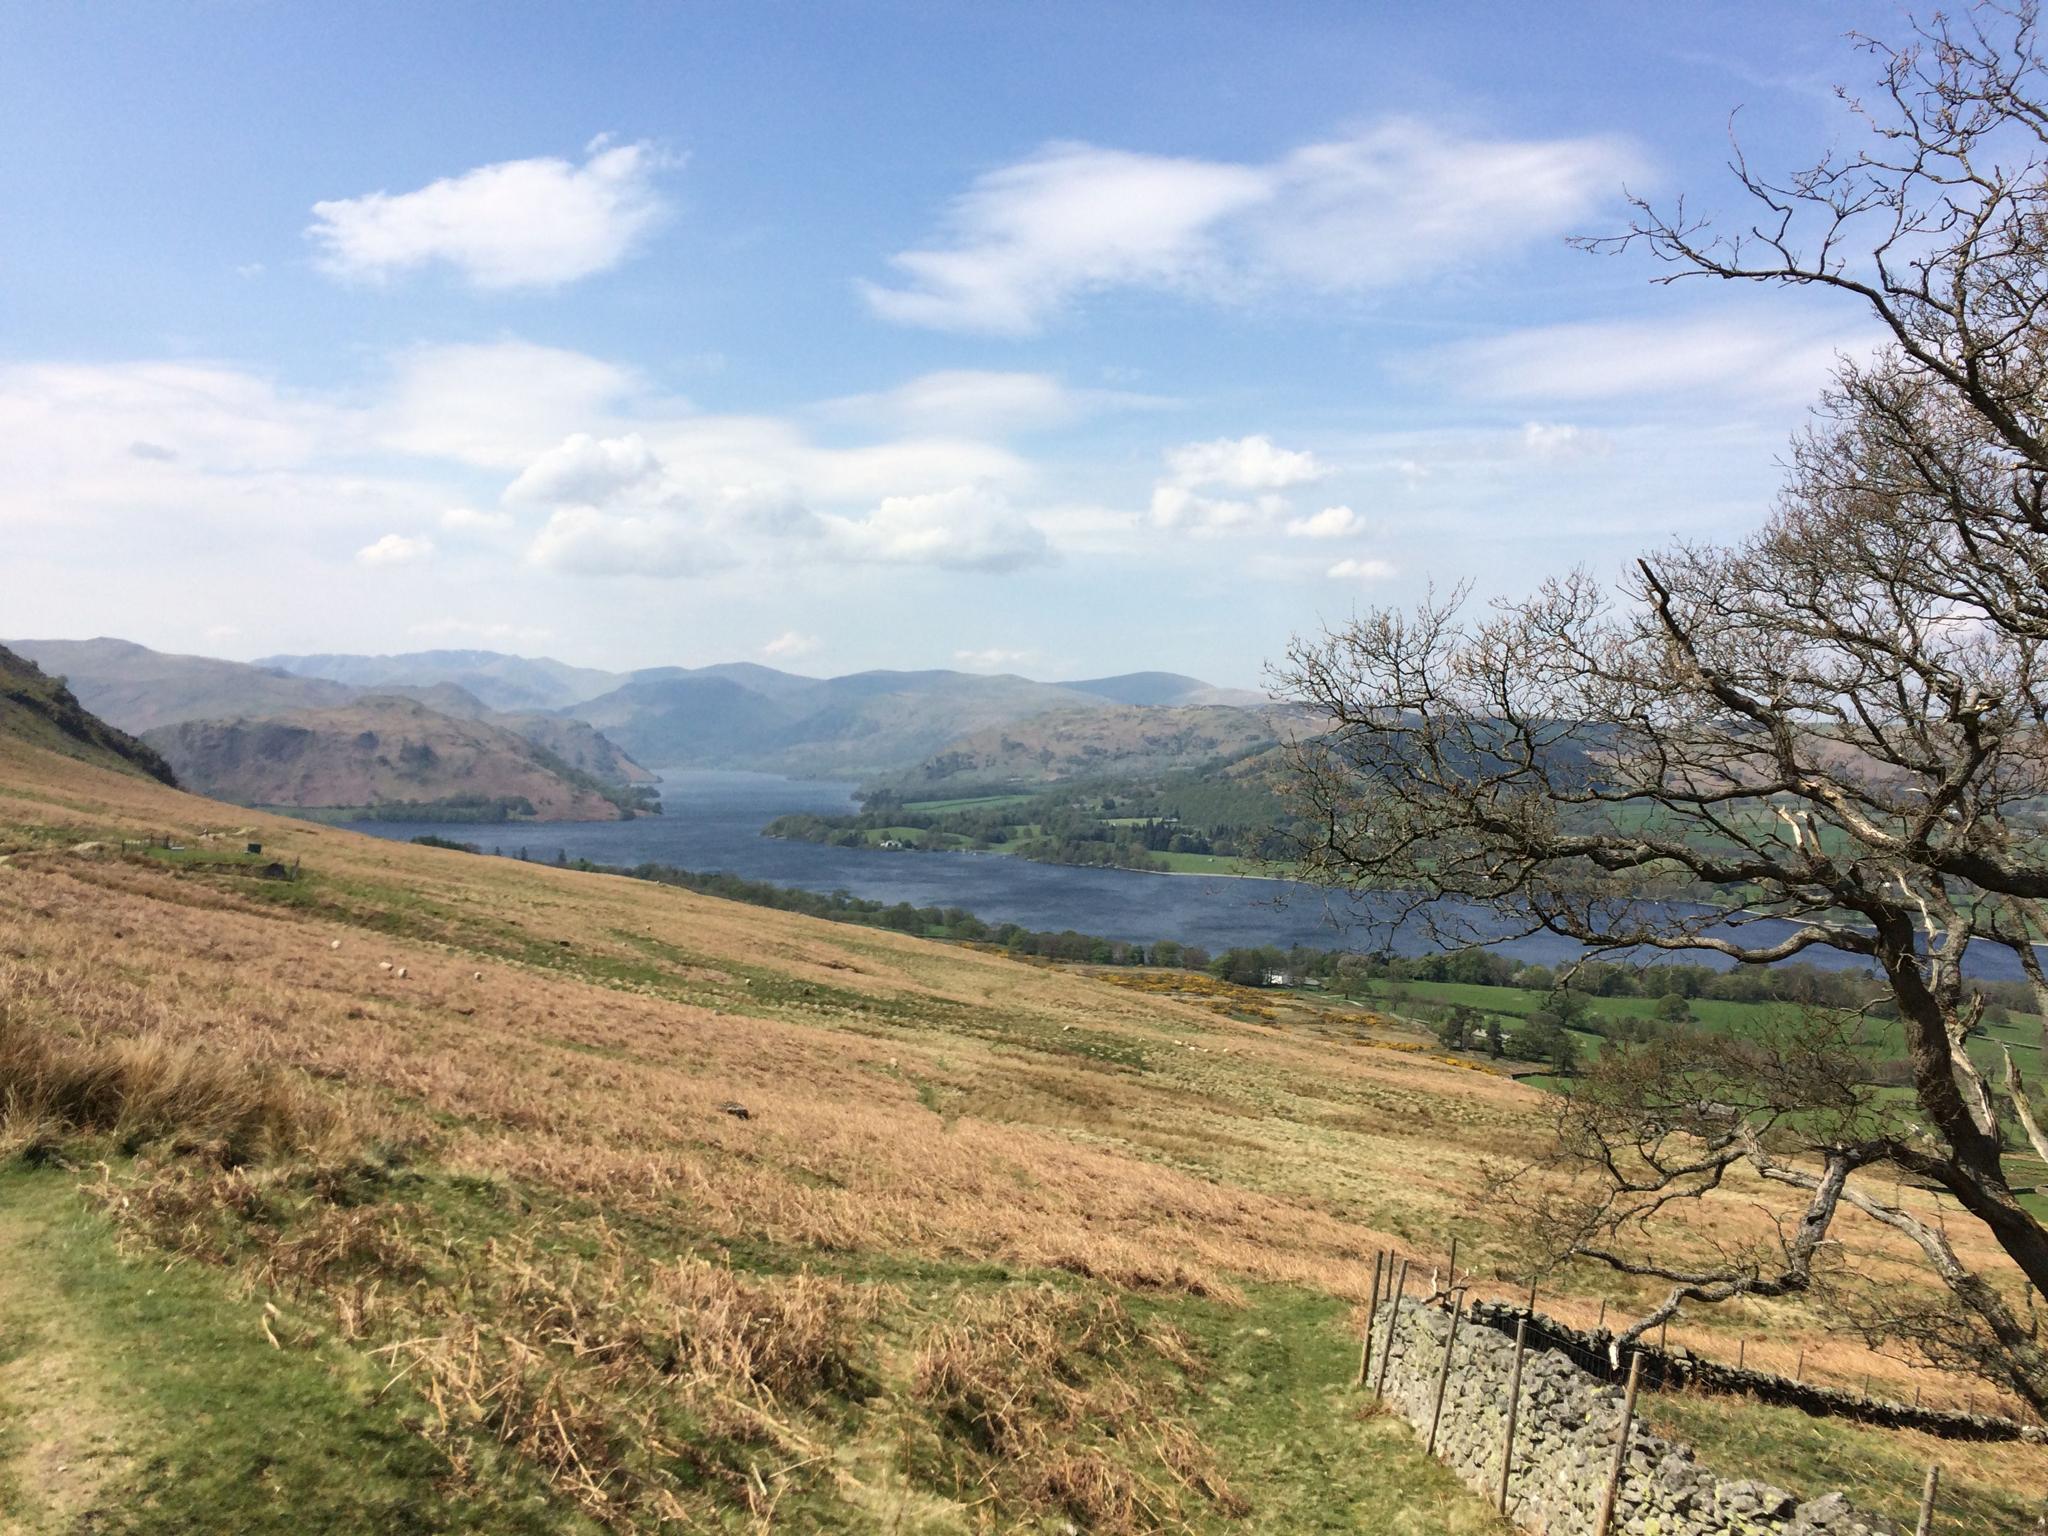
608, 724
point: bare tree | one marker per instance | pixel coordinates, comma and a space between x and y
1833, 733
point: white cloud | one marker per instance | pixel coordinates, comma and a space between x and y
1561, 440
497, 405
985, 401
1070, 218
585, 469
516, 224
1175, 506
396, 549
966, 528
472, 521
585, 541
1399, 201
789, 645
1330, 523
1361, 570
1764, 359
1182, 498
965, 400
992, 660
1242, 464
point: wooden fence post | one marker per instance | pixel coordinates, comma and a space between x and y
1372, 1317
1507, 1447
1741, 1352
1532, 1295
1620, 1462
1926, 1524
1379, 1380
1451, 1283
1443, 1375
1799, 1366
1603, 1315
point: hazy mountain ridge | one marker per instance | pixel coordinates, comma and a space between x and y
1152, 690
141, 690
726, 715
498, 680
40, 709
137, 689
861, 724
378, 750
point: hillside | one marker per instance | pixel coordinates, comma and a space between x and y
379, 751
138, 689
41, 711
1112, 740
141, 690
441, 1215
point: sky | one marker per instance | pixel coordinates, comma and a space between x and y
1047, 338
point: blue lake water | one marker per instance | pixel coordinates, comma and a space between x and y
713, 822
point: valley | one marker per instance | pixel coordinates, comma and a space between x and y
523, 1113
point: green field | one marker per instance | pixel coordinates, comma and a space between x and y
1885, 1037
971, 803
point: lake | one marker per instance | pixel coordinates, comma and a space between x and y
713, 822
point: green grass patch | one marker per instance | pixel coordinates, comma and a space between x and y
1986, 1490
201, 1425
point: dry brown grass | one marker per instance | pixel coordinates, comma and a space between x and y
139, 1089
906, 1099
1035, 1385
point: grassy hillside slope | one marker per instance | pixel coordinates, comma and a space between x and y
470, 1239
138, 689
41, 711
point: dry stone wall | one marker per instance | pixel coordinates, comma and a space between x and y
1564, 1444
1592, 1351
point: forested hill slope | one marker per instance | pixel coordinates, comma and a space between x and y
1116, 740
37, 708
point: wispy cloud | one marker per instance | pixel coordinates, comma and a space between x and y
396, 549
1330, 523
984, 401
1776, 359
516, 224
790, 645
995, 659
1394, 203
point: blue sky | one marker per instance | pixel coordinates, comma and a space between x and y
1046, 338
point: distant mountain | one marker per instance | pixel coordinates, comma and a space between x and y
607, 724
499, 680
141, 690
380, 751
854, 726
1154, 690
136, 688
37, 708
1113, 741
